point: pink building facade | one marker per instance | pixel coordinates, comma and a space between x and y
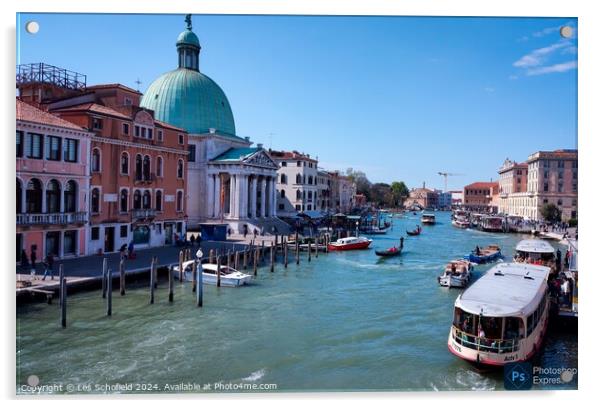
52, 184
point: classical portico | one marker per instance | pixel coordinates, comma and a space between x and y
241, 189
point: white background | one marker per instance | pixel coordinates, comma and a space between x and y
590, 114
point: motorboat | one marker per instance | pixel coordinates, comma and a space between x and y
228, 276
428, 218
349, 243
483, 255
461, 222
456, 274
502, 317
535, 251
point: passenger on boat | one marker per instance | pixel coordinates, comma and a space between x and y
477, 250
453, 268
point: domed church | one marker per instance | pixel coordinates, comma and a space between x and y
228, 179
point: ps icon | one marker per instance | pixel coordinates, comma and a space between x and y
518, 376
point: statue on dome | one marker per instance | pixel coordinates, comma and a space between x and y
188, 21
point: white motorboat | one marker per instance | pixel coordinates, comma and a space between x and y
228, 276
456, 274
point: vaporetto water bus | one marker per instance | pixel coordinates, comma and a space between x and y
503, 316
534, 251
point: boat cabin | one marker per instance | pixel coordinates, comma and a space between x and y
534, 251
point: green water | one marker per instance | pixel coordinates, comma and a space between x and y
345, 321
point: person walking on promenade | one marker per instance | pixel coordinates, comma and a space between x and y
123, 252
198, 239
245, 230
49, 266
34, 258
24, 261
131, 254
254, 233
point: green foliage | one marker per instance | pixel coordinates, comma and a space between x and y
573, 222
550, 213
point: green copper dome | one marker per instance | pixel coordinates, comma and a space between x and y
187, 98
188, 37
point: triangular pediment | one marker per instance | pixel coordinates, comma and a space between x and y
260, 158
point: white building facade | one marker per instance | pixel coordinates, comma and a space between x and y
297, 182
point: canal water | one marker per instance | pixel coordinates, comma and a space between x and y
344, 321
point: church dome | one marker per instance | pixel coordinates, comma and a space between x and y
187, 98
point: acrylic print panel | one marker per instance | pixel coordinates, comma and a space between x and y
391, 203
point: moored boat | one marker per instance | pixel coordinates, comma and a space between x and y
534, 251
483, 255
461, 223
393, 251
502, 317
428, 218
456, 274
349, 243
492, 224
228, 276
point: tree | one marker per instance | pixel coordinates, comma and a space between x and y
550, 213
400, 192
361, 182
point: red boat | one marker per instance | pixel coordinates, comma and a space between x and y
345, 244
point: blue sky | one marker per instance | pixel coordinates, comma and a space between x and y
400, 98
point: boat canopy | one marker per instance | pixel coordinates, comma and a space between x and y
428, 215
507, 289
536, 246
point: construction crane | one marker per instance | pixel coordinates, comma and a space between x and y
445, 175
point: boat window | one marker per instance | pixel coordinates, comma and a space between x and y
514, 328
492, 326
465, 321
209, 271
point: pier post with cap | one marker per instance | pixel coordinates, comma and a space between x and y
170, 280
122, 277
218, 271
109, 292
152, 281
104, 277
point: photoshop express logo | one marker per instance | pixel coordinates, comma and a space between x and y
518, 376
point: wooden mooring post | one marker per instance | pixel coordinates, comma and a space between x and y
228, 260
256, 255
63, 296
194, 268
244, 258
156, 277
199, 291
272, 257
170, 280
211, 256
318, 240
285, 253
104, 278
262, 250
297, 251
326, 241
308, 251
181, 267
236, 259
218, 271
109, 292
122, 277
152, 281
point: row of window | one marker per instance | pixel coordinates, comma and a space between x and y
299, 179
38, 146
300, 163
536, 316
142, 166
143, 132
560, 187
34, 193
141, 200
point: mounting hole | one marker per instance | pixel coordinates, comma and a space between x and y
566, 31
32, 27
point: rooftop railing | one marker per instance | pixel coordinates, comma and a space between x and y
49, 74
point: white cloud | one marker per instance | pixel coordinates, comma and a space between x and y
562, 67
538, 56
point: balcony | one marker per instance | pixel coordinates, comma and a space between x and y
143, 213
52, 218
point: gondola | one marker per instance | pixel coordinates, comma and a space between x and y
393, 251
417, 231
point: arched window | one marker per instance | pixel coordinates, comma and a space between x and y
146, 199
158, 200
138, 167
125, 163
95, 201
53, 197
123, 201
298, 194
298, 179
159, 169
180, 201
19, 197
137, 200
146, 168
33, 196
283, 179
282, 193
70, 197
310, 180
95, 162
180, 168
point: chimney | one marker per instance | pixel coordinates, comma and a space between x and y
248, 138
260, 145
423, 184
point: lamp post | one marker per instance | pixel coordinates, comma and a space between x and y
357, 229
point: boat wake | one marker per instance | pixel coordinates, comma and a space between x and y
255, 375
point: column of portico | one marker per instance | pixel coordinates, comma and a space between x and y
242, 196
210, 195
253, 197
270, 197
232, 213
217, 196
274, 199
262, 203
